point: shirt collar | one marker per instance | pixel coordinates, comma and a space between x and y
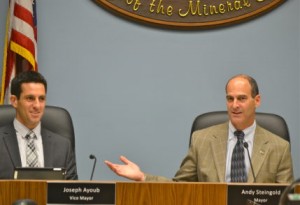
248, 131
23, 130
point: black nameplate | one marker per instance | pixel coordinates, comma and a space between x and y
254, 194
81, 193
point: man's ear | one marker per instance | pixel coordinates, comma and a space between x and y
257, 101
13, 101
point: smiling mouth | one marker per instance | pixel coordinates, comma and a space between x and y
236, 113
35, 114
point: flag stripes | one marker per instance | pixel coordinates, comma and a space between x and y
20, 47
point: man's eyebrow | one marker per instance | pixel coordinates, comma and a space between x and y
237, 96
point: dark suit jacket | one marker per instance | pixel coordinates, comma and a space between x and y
206, 158
58, 152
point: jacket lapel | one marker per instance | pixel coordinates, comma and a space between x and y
11, 144
47, 147
219, 150
259, 152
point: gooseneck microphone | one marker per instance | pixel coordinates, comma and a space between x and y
246, 146
95, 160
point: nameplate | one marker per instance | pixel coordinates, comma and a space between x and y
81, 193
254, 194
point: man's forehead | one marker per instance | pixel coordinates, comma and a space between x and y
32, 86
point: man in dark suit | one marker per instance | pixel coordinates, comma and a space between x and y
210, 155
28, 97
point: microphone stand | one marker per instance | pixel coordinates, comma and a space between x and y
252, 170
95, 160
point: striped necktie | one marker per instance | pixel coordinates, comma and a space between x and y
31, 153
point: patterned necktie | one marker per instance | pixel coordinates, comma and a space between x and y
238, 168
31, 154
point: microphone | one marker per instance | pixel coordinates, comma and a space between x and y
95, 160
246, 146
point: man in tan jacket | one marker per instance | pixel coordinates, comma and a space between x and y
210, 154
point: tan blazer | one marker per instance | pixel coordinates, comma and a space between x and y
206, 158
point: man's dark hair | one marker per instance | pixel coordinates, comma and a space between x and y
252, 82
26, 77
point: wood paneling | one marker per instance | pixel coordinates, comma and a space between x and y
170, 193
11, 191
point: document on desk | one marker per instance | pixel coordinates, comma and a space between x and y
71, 193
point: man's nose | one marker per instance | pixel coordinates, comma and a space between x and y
235, 103
36, 102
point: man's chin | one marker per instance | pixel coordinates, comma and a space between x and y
35, 120
235, 117
236, 120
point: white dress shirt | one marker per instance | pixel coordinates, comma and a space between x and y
21, 132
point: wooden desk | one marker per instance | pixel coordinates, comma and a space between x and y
12, 190
129, 193
171, 193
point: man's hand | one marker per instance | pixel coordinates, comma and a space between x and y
129, 169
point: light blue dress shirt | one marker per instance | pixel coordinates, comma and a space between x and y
249, 137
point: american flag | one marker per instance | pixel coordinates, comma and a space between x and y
20, 46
